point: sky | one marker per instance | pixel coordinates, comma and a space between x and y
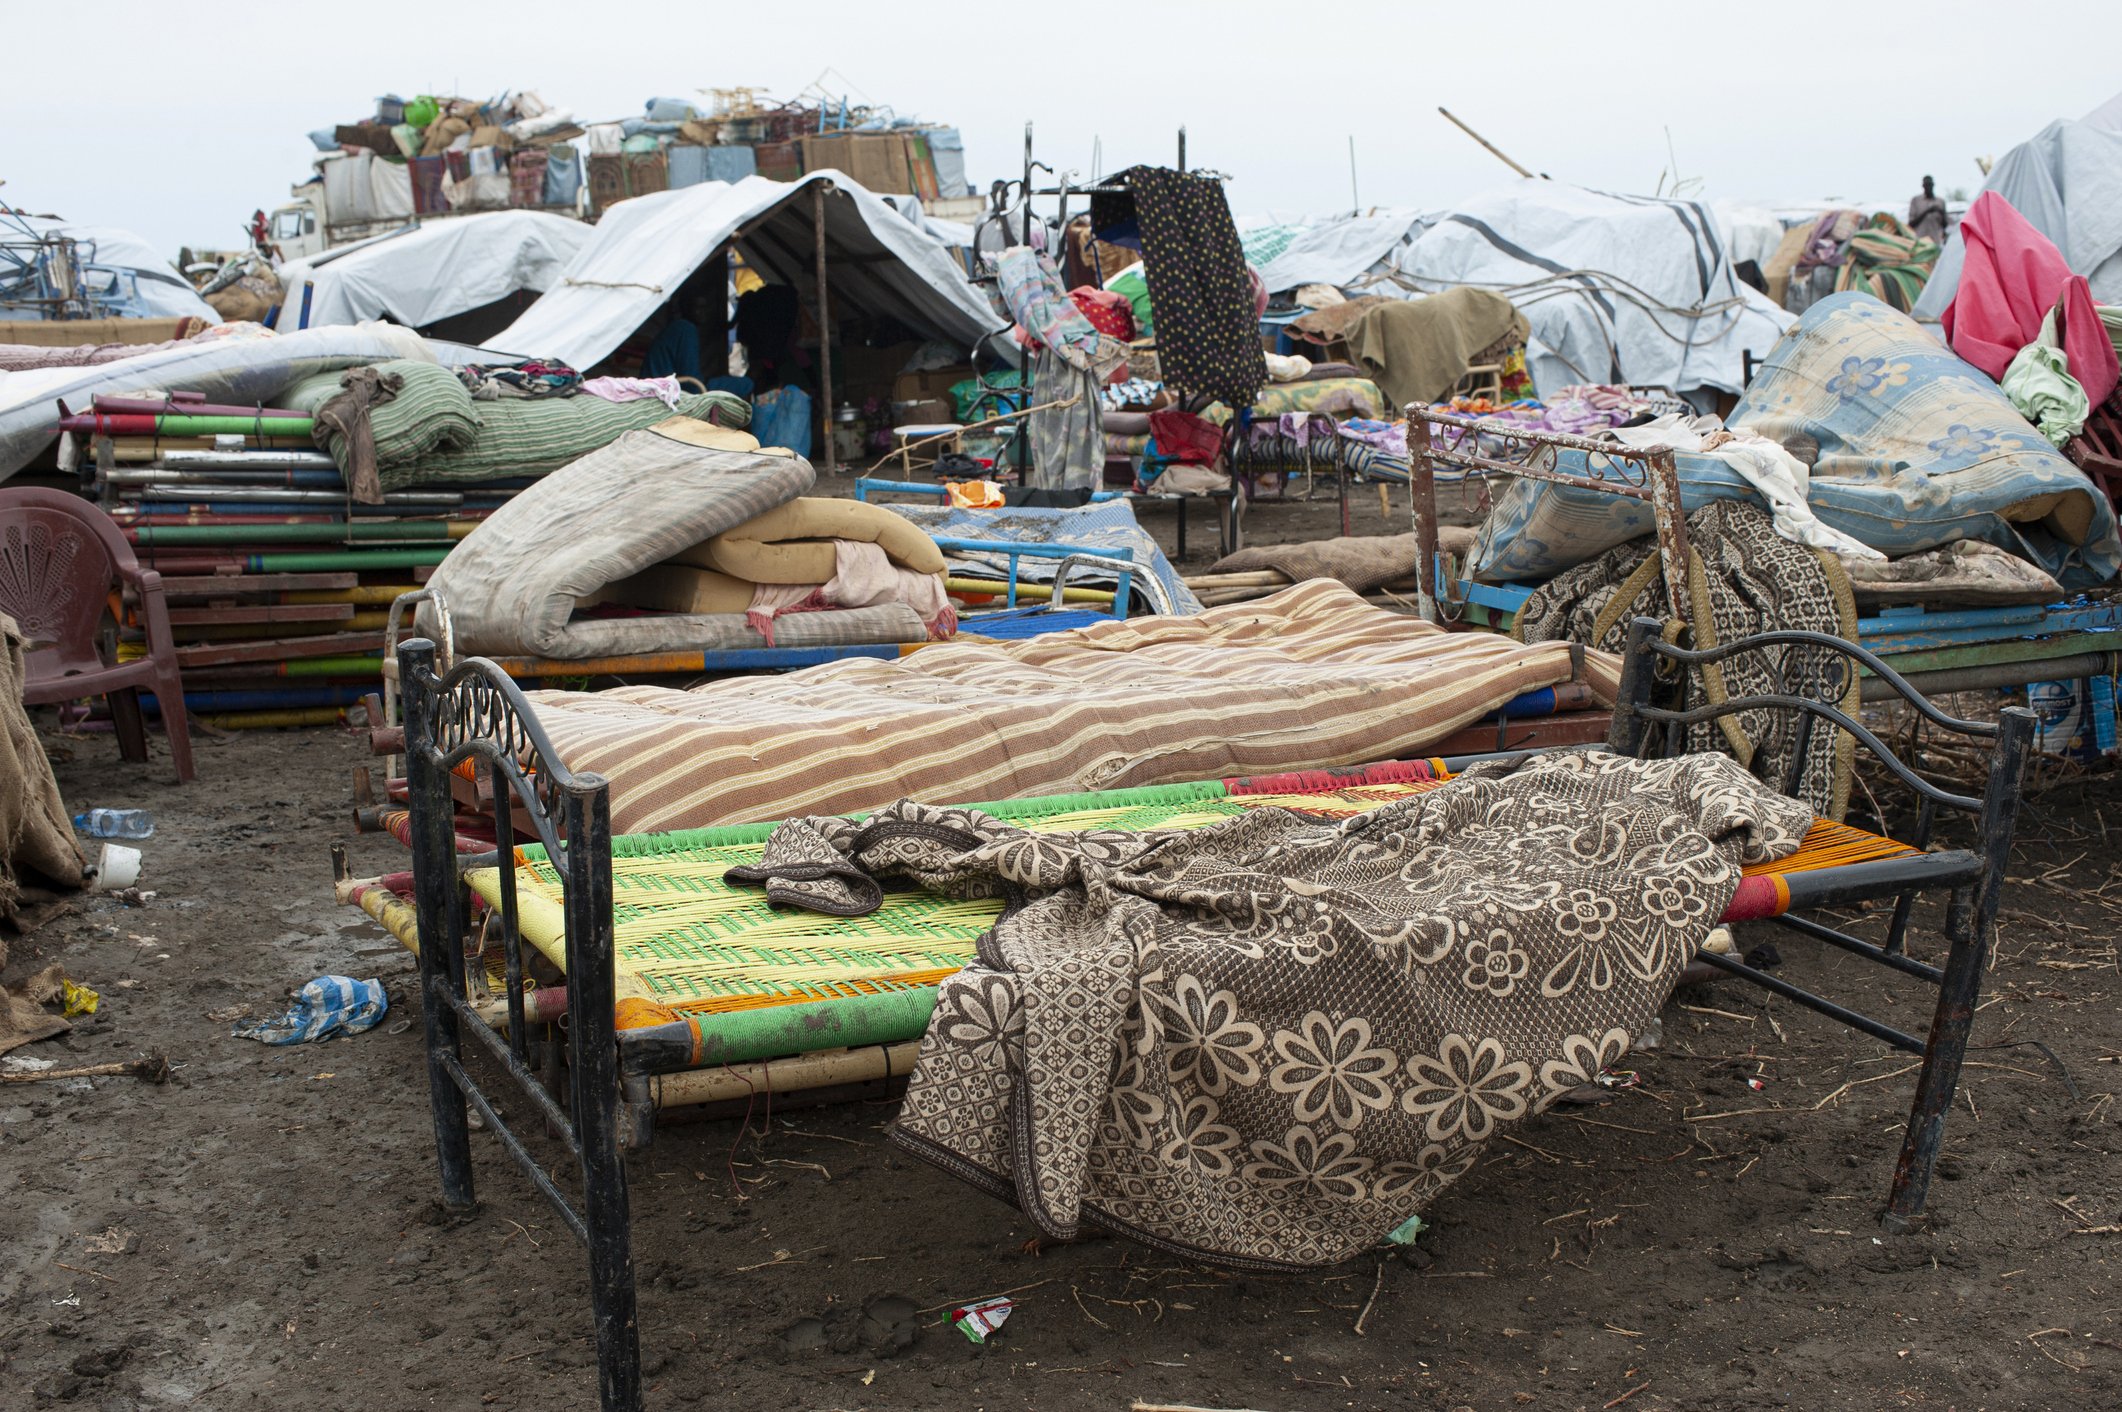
178, 130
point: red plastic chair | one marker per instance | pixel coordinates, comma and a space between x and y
59, 558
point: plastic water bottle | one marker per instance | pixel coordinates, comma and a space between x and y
115, 823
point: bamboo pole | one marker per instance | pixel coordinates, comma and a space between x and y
801, 1071
1493, 149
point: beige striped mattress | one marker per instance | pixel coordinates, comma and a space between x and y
1309, 678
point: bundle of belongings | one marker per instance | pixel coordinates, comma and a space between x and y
2023, 317
685, 536
407, 422
1903, 448
1270, 1041
1843, 250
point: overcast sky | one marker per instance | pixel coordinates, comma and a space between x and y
119, 114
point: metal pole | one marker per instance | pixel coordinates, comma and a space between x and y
825, 329
435, 897
1182, 147
1968, 922
1422, 493
594, 1065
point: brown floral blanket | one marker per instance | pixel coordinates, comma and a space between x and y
1268, 1042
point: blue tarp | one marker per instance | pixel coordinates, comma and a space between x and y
1109, 524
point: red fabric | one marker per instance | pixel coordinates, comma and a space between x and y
1109, 313
2012, 277
1182, 436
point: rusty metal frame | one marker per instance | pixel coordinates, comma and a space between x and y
1639, 473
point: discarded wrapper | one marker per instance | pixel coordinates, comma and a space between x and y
1406, 1232
79, 999
327, 1006
982, 1317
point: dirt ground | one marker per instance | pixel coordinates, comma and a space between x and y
261, 1231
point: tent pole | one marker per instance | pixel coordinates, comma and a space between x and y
825, 332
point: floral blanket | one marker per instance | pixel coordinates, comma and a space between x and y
1268, 1042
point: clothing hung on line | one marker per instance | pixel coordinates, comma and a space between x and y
1208, 333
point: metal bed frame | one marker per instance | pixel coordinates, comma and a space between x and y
476, 715
1939, 650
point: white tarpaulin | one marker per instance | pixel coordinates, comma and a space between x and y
1335, 251
447, 266
2067, 181
236, 369
360, 187
1618, 289
148, 286
643, 249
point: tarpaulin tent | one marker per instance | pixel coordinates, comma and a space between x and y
2067, 181
644, 249
439, 270
147, 286
238, 370
1618, 289
1337, 251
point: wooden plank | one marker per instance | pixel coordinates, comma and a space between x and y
221, 654
237, 585
261, 613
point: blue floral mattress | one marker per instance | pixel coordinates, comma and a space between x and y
1915, 449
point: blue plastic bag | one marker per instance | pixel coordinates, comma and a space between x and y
781, 417
327, 1006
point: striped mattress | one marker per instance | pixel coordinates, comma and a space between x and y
1312, 676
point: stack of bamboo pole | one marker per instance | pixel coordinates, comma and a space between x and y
278, 583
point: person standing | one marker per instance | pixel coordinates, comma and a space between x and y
1926, 215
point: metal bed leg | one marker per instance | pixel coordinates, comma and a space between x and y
594, 1052
1969, 922
441, 958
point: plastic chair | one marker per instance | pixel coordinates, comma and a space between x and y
59, 559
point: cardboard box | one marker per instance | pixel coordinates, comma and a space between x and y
930, 412
876, 160
74, 333
933, 385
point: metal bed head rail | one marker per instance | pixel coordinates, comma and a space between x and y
1479, 446
474, 714
1812, 672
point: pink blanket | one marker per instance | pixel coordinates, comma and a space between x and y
2012, 277
862, 576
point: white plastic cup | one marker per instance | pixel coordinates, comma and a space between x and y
117, 867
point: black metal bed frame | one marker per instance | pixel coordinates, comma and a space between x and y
1814, 669
475, 713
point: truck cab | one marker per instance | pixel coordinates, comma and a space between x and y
297, 229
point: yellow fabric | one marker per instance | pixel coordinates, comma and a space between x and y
694, 432
680, 588
793, 543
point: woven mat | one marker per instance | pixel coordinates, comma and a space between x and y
689, 941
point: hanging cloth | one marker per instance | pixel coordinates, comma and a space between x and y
1208, 332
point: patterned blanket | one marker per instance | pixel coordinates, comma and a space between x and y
1268, 1042
1743, 578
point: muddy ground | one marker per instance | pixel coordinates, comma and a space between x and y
261, 1231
